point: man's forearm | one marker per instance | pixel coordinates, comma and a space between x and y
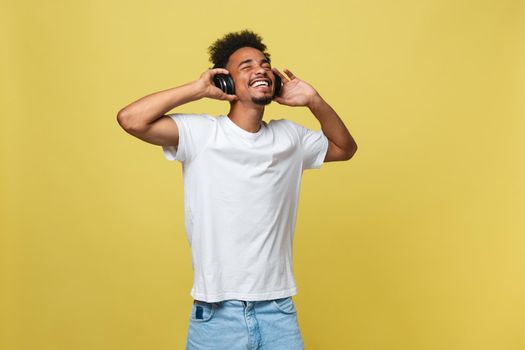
332, 126
153, 106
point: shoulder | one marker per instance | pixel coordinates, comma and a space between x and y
193, 117
288, 125
197, 121
283, 123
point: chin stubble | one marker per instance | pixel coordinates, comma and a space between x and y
263, 101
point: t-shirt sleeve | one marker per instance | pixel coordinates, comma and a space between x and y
313, 144
194, 132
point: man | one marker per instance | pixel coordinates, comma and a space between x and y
241, 187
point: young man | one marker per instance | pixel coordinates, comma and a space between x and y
241, 188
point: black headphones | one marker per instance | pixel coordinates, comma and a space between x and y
225, 83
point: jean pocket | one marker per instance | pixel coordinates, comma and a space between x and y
202, 311
284, 305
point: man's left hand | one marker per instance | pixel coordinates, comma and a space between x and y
294, 91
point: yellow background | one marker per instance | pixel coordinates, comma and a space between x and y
416, 243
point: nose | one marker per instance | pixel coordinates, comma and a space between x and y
260, 70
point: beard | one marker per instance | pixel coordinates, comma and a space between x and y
262, 101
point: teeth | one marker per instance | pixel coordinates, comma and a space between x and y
259, 83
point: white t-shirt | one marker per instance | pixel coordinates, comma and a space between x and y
241, 191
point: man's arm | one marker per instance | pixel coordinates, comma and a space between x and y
296, 92
341, 145
146, 119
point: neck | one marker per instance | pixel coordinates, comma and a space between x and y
247, 115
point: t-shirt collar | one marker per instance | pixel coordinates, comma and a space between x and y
241, 131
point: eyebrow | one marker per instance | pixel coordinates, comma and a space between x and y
264, 60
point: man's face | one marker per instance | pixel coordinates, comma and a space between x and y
249, 68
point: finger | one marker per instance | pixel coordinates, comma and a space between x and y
283, 78
290, 74
220, 70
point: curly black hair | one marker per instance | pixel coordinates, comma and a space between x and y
221, 50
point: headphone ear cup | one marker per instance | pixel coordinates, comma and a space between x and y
225, 83
278, 84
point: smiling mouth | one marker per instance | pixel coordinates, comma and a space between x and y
261, 88
261, 85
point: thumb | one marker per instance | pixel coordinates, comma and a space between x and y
231, 97
279, 100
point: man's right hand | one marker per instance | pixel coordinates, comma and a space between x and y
207, 86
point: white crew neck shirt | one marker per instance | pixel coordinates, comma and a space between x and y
241, 191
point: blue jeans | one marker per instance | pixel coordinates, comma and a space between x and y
246, 325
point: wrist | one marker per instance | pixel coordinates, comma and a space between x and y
198, 91
315, 101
